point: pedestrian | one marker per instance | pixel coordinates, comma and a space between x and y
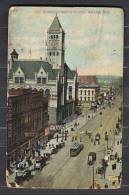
118, 159
106, 185
94, 142
119, 179
115, 155
91, 139
57, 138
117, 142
49, 146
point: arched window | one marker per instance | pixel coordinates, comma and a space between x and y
41, 90
47, 92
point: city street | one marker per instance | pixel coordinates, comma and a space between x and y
63, 171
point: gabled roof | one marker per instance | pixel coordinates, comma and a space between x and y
29, 67
55, 26
70, 73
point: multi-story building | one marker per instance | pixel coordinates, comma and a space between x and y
89, 91
27, 118
88, 94
52, 75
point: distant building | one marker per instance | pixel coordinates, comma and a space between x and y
27, 118
88, 94
52, 75
88, 79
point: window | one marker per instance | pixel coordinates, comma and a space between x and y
53, 53
70, 97
92, 92
88, 92
85, 99
47, 92
88, 99
41, 80
80, 92
85, 92
51, 36
19, 80
38, 80
57, 53
56, 36
70, 88
80, 98
50, 53
16, 79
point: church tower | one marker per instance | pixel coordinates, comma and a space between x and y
55, 44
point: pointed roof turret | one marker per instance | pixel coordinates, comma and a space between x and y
55, 26
14, 52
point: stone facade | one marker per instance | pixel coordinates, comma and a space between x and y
53, 76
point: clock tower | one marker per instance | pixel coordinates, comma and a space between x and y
55, 44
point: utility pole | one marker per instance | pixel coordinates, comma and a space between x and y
93, 178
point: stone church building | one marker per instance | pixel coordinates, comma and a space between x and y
52, 76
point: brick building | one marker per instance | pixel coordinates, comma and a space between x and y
27, 118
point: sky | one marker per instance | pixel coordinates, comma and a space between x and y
93, 36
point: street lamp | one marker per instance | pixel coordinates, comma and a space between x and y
93, 177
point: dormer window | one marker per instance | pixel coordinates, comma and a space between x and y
19, 80
41, 80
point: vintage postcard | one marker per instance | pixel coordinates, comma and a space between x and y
64, 117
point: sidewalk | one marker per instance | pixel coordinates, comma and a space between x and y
112, 175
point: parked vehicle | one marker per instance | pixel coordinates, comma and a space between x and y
60, 145
22, 174
76, 149
91, 158
40, 162
54, 150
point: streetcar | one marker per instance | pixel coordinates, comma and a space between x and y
76, 149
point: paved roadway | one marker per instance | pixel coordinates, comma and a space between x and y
63, 171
